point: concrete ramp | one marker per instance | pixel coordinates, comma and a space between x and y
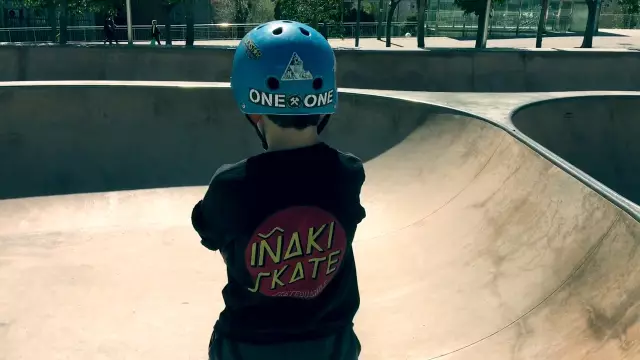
597, 134
475, 246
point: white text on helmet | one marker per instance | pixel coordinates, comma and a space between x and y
291, 101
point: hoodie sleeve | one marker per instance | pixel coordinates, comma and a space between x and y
208, 215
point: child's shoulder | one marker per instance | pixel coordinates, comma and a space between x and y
230, 172
350, 161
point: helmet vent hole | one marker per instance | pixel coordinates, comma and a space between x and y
260, 27
317, 83
287, 21
304, 32
273, 83
277, 31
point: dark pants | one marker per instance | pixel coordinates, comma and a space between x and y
110, 36
157, 37
343, 346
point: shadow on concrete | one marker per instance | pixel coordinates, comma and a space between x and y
77, 139
596, 134
392, 43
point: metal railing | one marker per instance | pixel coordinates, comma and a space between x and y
438, 23
619, 21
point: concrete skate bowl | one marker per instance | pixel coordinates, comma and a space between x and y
450, 70
600, 135
83, 138
474, 247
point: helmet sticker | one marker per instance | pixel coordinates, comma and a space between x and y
273, 100
252, 50
295, 70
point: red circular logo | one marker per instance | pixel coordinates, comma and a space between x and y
295, 252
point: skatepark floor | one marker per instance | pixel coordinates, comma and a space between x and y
475, 246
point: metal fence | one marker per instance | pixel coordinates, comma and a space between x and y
437, 23
619, 21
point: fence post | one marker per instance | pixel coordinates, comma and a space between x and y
519, 17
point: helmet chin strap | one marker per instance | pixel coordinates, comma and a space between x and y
265, 146
323, 123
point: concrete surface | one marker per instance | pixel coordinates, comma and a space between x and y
475, 246
450, 70
598, 134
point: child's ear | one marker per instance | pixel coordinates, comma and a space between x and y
255, 118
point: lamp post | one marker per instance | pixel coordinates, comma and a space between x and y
358, 23
129, 26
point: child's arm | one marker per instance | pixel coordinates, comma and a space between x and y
204, 223
207, 216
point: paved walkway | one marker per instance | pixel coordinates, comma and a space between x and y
609, 39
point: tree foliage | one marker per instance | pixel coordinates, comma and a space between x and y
103, 6
308, 11
475, 7
74, 6
478, 8
393, 5
366, 15
252, 11
420, 30
94, 6
629, 7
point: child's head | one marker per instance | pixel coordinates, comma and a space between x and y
284, 76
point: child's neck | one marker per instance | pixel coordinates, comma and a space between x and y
287, 139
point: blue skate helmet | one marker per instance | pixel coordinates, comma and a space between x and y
285, 68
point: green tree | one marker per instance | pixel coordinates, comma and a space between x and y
393, 5
380, 17
420, 32
352, 14
258, 12
1, 15
261, 11
542, 20
587, 40
51, 6
478, 8
189, 19
308, 11
102, 6
630, 7
167, 7
68, 8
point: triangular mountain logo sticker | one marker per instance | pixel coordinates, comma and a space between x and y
295, 70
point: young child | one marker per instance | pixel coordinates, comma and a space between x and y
155, 32
284, 220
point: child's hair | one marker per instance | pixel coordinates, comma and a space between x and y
298, 122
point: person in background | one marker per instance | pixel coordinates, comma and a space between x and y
110, 30
155, 32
